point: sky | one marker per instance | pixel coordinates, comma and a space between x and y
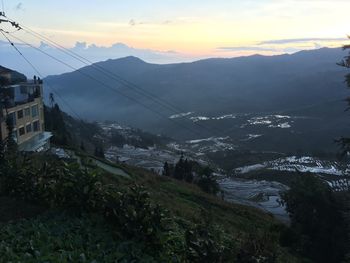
166, 31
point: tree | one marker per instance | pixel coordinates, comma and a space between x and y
82, 146
99, 152
55, 123
179, 171
207, 181
10, 143
188, 174
317, 225
2, 152
345, 141
345, 144
166, 170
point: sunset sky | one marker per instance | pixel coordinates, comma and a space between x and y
189, 28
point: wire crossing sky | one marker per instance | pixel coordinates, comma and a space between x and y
189, 28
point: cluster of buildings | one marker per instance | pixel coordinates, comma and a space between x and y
21, 104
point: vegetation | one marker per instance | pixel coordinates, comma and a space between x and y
345, 141
317, 222
191, 172
207, 181
99, 152
55, 123
97, 217
137, 138
69, 132
231, 159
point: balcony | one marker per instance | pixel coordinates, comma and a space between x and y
12, 96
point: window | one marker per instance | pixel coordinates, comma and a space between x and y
26, 112
20, 114
21, 131
36, 126
12, 118
35, 111
29, 128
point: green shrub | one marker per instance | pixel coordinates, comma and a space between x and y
317, 222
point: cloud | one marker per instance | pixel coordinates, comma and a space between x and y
43, 45
167, 22
299, 40
290, 45
80, 45
246, 48
94, 53
279, 46
132, 22
317, 45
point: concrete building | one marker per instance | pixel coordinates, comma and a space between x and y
22, 104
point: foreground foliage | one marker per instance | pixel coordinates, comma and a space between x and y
192, 172
107, 222
318, 227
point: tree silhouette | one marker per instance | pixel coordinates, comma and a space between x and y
207, 181
179, 171
166, 170
99, 152
317, 223
345, 141
188, 173
55, 123
345, 144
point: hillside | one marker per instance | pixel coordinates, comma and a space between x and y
155, 219
16, 77
223, 95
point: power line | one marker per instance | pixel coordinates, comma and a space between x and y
39, 74
3, 7
108, 73
82, 123
105, 85
101, 69
114, 76
105, 71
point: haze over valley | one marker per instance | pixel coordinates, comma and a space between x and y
257, 101
192, 131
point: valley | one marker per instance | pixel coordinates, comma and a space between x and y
254, 184
175, 131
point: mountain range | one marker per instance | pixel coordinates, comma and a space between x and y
284, 102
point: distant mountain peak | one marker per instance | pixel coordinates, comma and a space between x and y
15, 77
130, 59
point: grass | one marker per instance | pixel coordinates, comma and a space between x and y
187, 201
40, 235
55, 237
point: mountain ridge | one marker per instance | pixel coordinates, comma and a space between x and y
211, 87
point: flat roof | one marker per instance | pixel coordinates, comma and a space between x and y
36, 142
